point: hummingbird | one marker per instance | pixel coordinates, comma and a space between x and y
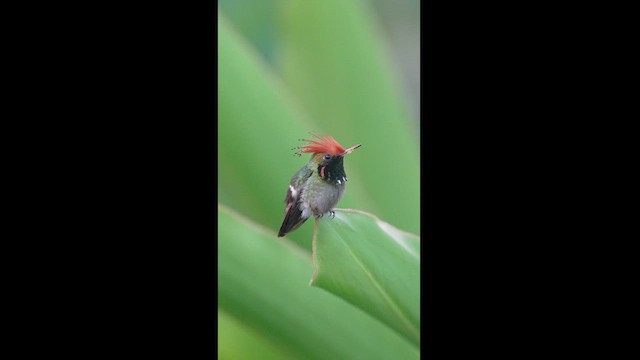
319, 185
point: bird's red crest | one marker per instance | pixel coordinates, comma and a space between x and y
324, 144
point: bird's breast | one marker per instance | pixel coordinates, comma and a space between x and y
322, 196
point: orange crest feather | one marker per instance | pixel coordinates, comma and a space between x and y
325, 144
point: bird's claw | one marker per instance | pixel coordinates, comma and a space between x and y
332, 214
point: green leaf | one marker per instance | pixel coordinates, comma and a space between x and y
237, 341
258, 125
263, 283
257, 25
333, 58
372, 265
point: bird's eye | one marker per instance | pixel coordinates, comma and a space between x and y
327, 157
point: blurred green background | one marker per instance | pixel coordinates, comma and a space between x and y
346, 68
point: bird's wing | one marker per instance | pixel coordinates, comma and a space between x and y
293, 217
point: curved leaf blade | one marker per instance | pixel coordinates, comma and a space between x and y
257, 116
263, 283
236, 341
372, 265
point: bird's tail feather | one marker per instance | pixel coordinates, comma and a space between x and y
292, 220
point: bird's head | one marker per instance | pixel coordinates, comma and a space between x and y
327, 156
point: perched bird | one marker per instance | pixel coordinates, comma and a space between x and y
319, 185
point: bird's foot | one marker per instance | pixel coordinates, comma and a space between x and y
332, 214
